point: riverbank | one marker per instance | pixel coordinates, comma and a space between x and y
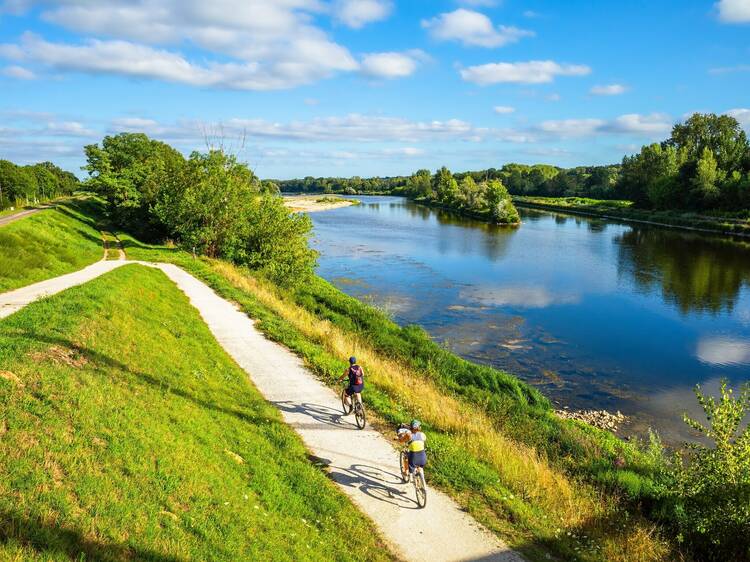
316, 203
623, 210
496, 446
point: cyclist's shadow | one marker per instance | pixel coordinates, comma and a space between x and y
376, 483
321, 414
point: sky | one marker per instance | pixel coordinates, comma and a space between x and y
368, 87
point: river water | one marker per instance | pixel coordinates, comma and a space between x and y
595, 313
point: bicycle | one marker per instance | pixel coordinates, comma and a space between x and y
355, 404
420, 486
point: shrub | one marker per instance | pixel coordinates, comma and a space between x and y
710, 488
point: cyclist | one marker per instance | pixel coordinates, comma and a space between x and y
356, 380
416, 440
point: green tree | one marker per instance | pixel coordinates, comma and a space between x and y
721, 134
501, 207
704, 184
445, 186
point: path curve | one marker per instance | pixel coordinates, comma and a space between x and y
363, 463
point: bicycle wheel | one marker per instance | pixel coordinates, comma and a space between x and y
344, 406
403, 463
359, 415
420, 487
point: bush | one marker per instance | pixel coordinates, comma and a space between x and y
710, 489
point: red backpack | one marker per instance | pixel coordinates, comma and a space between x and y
356, 375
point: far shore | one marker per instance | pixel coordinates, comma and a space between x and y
316, 203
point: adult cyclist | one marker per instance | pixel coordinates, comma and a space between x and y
416, 440
356, 380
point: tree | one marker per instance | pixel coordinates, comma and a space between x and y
721, 134
445, 186
500, 205
704, 188
420, 184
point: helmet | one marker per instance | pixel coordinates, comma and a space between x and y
352, 360
415, 424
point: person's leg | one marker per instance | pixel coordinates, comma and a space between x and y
359, 396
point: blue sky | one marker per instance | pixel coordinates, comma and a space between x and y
368, 87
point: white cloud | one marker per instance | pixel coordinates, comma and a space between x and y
357, 13
723, 351
67, 129
479, 3
472, 28
572, 127
389, 65
734, 11
655, 123
632, 123
741, 114
247, 44
503, 109
141, 61
608, 90
532, 72
18, 72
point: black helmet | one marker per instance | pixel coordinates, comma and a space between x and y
352, 360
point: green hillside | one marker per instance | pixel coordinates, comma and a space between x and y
128, 433
50, 243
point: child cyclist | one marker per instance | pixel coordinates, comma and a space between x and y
356, 380
416, 439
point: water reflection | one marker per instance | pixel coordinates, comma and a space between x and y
595, 313
723, 351
695, 272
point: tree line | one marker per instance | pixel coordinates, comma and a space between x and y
209, 203
703, 165
24, 185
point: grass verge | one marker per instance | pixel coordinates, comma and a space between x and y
738, 224
547, 486
50, 243
128, 433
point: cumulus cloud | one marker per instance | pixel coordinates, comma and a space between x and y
734, 11
472, 28
531, 72
18, 72
141, 61
503, 109
391, 65
246, 44
608, 90
358, 13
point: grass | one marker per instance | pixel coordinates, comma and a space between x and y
128, 433
547, 486
49, 243
733, 223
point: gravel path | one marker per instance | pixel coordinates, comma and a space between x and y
363, 463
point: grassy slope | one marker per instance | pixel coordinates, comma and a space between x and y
49, 243
494, 445
714, 222
127, 433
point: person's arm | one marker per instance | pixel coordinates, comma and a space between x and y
346, 372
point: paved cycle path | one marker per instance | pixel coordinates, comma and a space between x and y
7, 219
363, 463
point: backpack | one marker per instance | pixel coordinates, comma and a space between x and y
356, 376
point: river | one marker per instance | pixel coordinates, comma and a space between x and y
594, 313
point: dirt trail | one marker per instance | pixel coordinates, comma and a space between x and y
7, 219
363, 463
